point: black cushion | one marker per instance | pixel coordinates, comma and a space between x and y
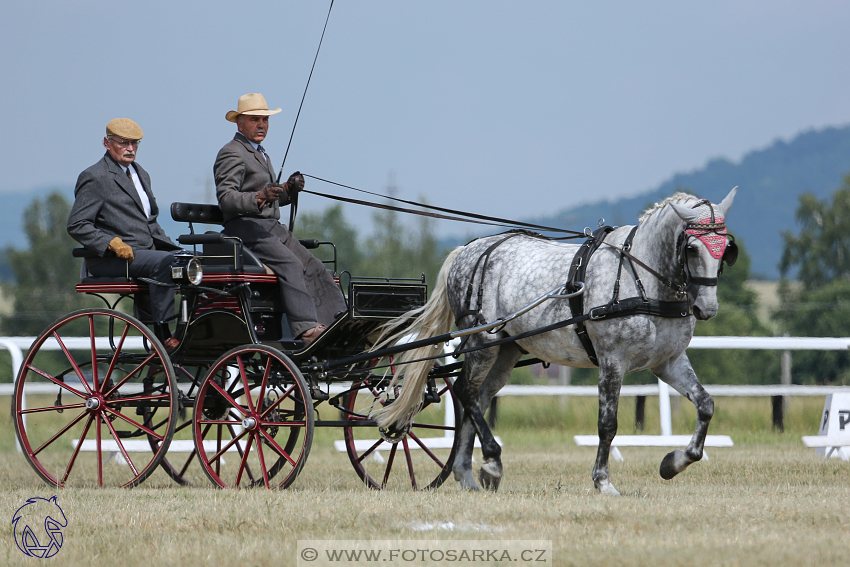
197, 212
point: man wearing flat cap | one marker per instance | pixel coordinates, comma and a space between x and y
114, 215
250, 200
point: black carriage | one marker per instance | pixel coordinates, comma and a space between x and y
99, 401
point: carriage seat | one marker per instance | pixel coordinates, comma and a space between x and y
119, 284
221, 253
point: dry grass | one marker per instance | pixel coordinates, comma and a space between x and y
767, 501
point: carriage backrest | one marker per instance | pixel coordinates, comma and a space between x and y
222, 252
217, 251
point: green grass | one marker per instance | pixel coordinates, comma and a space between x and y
766, 501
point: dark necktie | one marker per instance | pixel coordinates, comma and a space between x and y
262, 151
130, 175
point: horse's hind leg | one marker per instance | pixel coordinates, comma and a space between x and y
485, 373
610, 380
680, 375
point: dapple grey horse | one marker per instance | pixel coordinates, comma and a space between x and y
677, 252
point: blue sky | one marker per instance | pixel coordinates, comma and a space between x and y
512, 109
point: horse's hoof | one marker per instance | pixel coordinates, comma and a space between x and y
490, 474
605, 487
674, 463
488, 481
467, 481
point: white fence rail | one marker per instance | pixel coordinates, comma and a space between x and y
16, 346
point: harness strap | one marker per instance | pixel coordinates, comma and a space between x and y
576, 274
615, 308
476, 313
486, 258
625, 308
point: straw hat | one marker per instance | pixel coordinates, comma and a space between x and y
125, 128
253, 104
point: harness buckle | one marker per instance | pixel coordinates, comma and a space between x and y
593, 317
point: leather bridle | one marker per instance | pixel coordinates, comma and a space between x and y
699, 231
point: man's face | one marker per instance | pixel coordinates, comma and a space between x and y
121, 149
254, 128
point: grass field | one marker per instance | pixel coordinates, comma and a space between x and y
767, 501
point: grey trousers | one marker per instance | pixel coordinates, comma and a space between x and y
153, 264
307, 288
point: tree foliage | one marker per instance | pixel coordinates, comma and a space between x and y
44, 273
331, 226
737, 317
822, 249
393, 250
819, 306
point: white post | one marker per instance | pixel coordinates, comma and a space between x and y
664, 408
449, 419
564, 375
17, 360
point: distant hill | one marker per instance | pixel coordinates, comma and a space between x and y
769, 180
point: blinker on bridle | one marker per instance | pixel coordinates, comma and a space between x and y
700, 231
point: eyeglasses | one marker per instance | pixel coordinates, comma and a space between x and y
125, 143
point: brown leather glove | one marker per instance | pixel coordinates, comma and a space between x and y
121, 249
269, 193
295, 183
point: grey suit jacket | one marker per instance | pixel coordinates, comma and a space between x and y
106, 205
240, 171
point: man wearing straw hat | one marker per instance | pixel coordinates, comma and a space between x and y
250, 200
114, 215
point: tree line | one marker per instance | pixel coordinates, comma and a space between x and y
816, 304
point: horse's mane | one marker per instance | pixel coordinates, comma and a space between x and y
679, 196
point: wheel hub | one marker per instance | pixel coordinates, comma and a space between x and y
93, 403
250, 423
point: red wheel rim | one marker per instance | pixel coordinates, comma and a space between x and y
253, 420
421, 459
79, 411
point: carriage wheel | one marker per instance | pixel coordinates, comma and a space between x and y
93, 386
181, 461
421, 456
253, 419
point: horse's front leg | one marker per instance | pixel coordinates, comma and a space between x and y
610, 380
680, 375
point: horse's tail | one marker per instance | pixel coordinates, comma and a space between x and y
432, 319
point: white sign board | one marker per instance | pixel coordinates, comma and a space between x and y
835, 427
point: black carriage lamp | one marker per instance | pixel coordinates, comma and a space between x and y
187, 269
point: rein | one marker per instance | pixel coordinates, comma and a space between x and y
482, 219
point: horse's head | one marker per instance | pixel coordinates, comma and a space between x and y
703, 247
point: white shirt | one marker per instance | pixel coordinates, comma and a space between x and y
146, 203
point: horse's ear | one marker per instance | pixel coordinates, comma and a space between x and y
726, 204
686, 213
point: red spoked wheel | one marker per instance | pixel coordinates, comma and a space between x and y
253, 420
94, 386
421, 455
